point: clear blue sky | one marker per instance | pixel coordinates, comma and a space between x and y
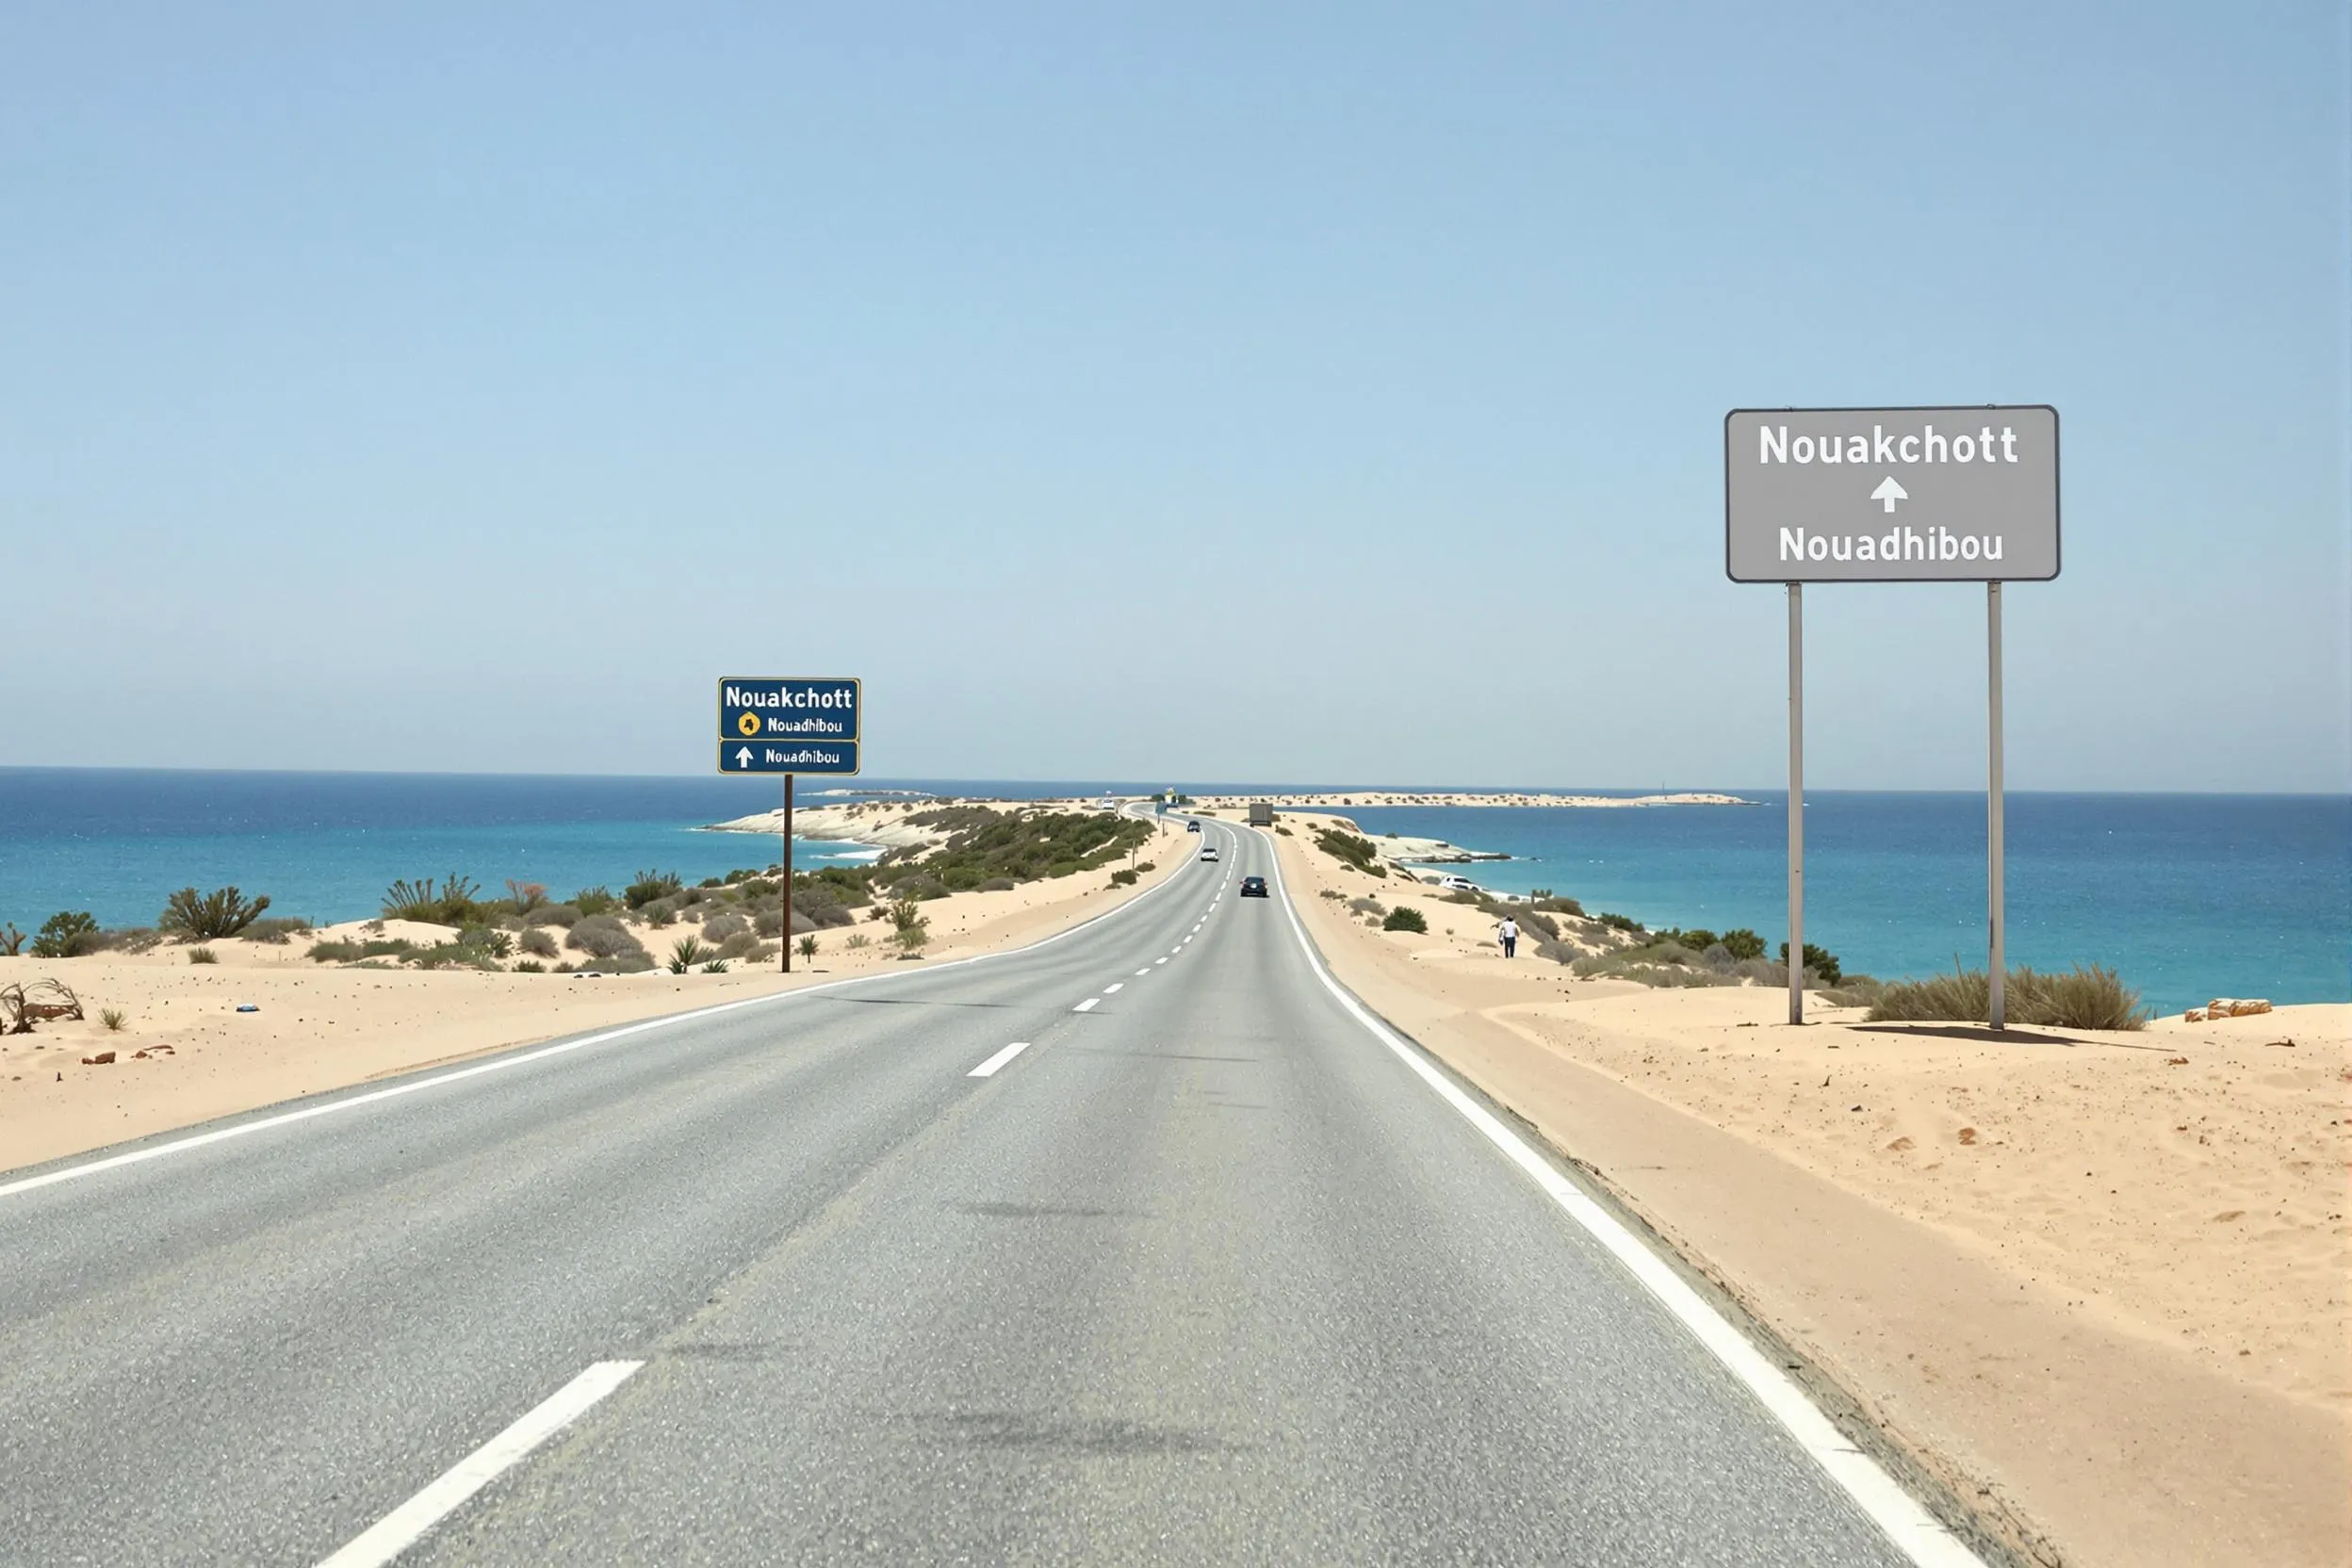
1326, 392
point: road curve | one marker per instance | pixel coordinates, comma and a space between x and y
1200, 1271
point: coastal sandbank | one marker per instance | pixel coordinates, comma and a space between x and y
324, 1026
1327, 800
2095, 1281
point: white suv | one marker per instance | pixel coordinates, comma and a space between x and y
1208, 851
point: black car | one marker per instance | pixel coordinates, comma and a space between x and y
1192, 827
1254, 887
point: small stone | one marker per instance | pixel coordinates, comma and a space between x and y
104, 1058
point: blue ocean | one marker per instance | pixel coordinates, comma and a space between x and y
2187, 896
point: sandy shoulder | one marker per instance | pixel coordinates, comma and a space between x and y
2099, 1279
186, 1054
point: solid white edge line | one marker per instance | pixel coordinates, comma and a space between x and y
520, 1058
1905, 1522
988, 1069
400, 1529
1088, 1006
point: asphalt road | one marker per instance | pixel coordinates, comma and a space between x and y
1206, 1272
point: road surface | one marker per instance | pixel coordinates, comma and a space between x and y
1205, 1271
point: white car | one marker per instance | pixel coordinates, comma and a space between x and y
1208, 851
1458, 884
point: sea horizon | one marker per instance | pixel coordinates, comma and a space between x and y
2187, 895
814, 785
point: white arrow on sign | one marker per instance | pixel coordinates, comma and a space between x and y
1889, 493
743, 757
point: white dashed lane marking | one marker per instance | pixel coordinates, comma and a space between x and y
988, 1069
1088, 1006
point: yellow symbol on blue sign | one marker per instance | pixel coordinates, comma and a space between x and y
748, 725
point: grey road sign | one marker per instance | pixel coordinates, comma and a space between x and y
1890, 494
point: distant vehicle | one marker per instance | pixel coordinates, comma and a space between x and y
1208, 851
1261, 814
1458, 884
1192, 827
1254, 887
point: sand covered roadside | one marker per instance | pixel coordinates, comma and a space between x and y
323, 1026
2097, 1287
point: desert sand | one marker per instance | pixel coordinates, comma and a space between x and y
2095, 1281
185, 1054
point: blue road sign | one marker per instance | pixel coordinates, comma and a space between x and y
786, 708
787, 756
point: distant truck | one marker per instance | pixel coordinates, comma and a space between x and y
1261, 814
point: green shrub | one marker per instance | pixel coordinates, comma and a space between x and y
537, 943
1819, 961
137, 938
1123, 880
12, 940
487, 939
604, 938
530, 966
909, 926
1638, 967
687, 953
1543, 925
808, 945
452, 954
1620, 923
1404, 918
652, 884
1742, 944
716, 966
202, 955
1367, 907
593, 901
451, 904
857, 939
206, 916
67, 934
552, 914
277, 931
343, 952
2083, 998
1350, 849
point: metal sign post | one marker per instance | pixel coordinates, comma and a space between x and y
790, 725
1997, 970
1796, 803
1892, 495
785, 947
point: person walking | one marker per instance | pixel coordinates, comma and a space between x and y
1508, 934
